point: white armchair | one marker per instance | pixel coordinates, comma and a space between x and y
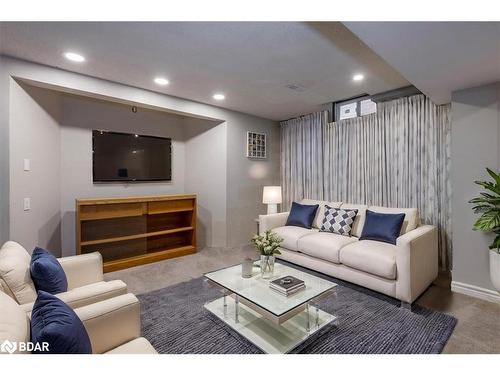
113, 325
86, 284
82, 269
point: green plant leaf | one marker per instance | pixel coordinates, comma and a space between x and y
494, 188
494, 175
481, 208
494, 201
488, 221
488, 206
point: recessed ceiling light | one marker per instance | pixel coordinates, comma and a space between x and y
75, 57
219, 96
161, 81
358, 77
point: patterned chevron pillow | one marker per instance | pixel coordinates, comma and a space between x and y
338, 221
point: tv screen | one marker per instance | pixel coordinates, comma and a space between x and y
130, 157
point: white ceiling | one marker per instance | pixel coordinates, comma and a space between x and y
437, 57
250, 62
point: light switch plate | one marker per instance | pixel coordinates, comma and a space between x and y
27, 165
27, 204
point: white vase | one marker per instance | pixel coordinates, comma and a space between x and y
495, 269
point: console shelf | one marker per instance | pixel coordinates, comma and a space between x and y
136, 230
172, 211
136, 236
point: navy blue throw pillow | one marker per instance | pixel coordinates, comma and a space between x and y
47, 273
55, 323
382, 227
302, 215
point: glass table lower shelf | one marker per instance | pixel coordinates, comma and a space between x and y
272, 334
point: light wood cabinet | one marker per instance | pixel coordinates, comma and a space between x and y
136, 230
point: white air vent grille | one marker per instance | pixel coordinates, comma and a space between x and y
296, 87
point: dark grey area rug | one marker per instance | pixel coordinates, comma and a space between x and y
174, 321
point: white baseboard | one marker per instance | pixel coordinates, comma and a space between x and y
475, 291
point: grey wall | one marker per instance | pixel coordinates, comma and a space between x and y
229, 186
246, 177
206, 174
34, 134
4, 152
475, 145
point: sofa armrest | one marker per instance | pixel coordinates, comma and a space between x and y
82, 269
88, 294
111, 323
267, 222
416, 262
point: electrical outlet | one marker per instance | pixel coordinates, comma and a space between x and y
27, 204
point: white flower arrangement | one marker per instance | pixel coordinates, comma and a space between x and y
267, 243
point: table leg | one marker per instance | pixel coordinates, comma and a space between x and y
236, 308
225, 306
308, 324
317, 317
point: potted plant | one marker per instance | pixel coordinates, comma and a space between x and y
488, 205
267, 245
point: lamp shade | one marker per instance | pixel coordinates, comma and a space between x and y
271, 195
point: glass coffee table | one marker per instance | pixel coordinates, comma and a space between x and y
271, 321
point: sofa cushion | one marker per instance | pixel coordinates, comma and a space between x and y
359, 220
411, 220
302, 215
54, 322
382, 227
14, 323
338, 221
291, 235
15, 272
324, 245
377, 258
47, 273
320, 213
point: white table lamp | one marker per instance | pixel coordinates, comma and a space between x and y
272, 197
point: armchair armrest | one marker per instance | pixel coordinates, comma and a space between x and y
416, 262
111, 323
82, 269
272, 221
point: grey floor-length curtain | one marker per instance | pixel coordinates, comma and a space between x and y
398, 157
302, 157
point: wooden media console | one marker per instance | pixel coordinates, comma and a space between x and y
136, 230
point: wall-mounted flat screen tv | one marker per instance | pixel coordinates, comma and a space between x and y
130, 157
